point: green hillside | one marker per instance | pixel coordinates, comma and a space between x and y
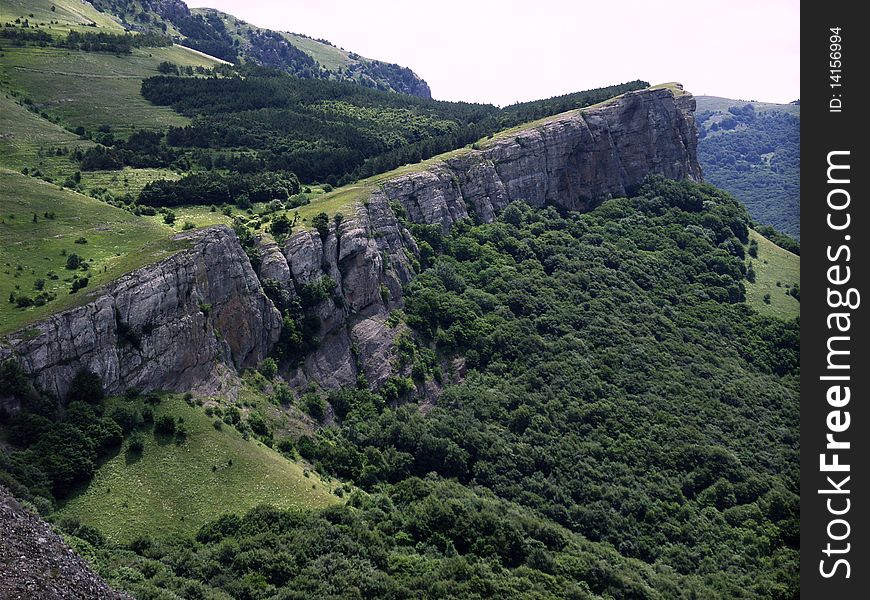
777, 271
174, 486
58, 16
93, 89
40, 225
752, 149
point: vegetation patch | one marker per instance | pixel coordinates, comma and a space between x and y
174, 485
40, 224
776, 289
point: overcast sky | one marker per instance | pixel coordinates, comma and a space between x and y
504, 51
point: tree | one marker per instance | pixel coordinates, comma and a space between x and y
164, 425
280, 226
87, 387
73, 261
320, 222
168, 68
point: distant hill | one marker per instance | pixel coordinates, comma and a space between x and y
752, 149
231, 39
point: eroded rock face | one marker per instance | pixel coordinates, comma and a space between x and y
175, 325
573, 160
367, 258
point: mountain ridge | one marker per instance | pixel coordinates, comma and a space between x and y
230, 39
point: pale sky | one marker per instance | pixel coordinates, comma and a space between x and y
514, 50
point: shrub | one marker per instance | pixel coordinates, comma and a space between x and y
164, 425
86, 386
136, 443
269, 368
314, 405
320, 222
73, 261
258, 423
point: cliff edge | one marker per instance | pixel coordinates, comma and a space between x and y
195, 319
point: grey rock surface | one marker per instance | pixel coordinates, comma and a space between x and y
175, 325
35, 562
574, 160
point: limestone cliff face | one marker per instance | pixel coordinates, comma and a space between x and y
573, 160
202, 314
179, 324
367, 258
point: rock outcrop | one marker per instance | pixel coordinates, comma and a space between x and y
367, 258
35, 562
573, 160
178, 324
184, 322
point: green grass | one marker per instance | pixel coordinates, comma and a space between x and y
329, 57
90, 89
23, 134
69, 14
174, 488
674, 86
773, 265
117, 242
717, 104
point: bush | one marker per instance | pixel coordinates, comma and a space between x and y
73, 261
164, 425
136, 443
87, 387
314, 405
269, 368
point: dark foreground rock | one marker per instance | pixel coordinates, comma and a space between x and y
36, 564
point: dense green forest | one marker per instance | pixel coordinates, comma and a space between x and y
327, 131
755, 156
627, 428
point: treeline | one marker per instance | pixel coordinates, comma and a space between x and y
333, 131
423, 538
88, 41
57, 444
216, 188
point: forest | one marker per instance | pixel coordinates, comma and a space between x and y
329, 131
627, 428
756, 157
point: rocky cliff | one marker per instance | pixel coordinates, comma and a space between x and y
179, 324
573, 160
203, 313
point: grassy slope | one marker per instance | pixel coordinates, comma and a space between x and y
25, 141
773, 265
118, 242
23, 133
90, 89
69, 14
717, 104
172, 487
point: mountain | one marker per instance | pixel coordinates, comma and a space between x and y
230, 39
280, 337
752, 149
